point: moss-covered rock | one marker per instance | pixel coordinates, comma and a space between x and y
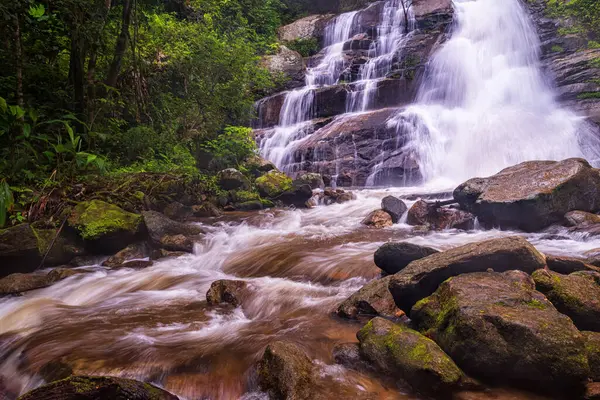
576, 295
592, 347
315, 181
98, 388
371, 300
232, 179
104, 227
407, 355
497, 327
273, 184
18, 250
286, 372
568, 265
59, 247
258, 166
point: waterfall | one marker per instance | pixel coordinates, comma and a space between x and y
485, 104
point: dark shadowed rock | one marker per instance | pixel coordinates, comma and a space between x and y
592, 347
576, 295
378, 219
392, 257
232, 179
286, 372
298, 196
497, 327
159, 225
315, 181
178, 211
408, 356
348, 355
371, 300
132, 252
206, 210
18, 250
592, 391
532, 195
439, 218
98, 388
422, 277
226, 291
55, 371
394, 206
568, 265
581, 218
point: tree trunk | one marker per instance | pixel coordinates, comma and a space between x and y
121, 47
19, 63
77, 70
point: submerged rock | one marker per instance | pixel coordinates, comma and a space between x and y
406, 355
286, 372
226, 291
392, 257
576, 295
105, 227
439, 218
532, 195
378, 219
395, 207
348, 355
55, 371
497, 327
371, 300
422, 277
98, 388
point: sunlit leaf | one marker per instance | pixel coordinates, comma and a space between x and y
37, 11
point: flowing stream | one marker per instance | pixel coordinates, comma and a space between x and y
486, 106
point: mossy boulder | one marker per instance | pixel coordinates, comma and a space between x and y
98, 388
314, 180
393, 257
18, 250
104, 227
422, 277
498, 328
273, 184
60, 247
576, 295
592, 347
371, 300
258, 166
232, 179
532, 195
406, 355
286, 372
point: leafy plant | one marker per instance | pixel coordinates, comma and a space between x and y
232, 147
6, 201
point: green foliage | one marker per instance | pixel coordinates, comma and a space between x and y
232, 147
306, 47
6, 201
586, 15
557, 49
589, 95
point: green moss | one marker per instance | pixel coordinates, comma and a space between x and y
592, 44
273, 184
44, 238
243, 196
95, 219
557, 49
595, 62
536, 304
588, 95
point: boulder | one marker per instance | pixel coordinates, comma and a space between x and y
392, 257
159, 225
232, 179
258, 166
288, 64
315, 181
18, 250
58, 246
206, 210
581, 218
285, 372
497, 327
395, 207
532, 195
576, 295
422, 277
378, 219
592, 347
348, 355
132, 252
568, 265
439, 218
178, 211
404, 354
18, 283
98, 388
273, 184
177, 243
105, 228
58, 274
298, 196
311, 27
226, 291
371, 300
251, 205
336, 196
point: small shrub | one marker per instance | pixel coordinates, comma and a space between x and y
306, 47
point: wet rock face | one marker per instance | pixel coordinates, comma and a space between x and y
288, 64
497, 327
371, 300
394, 206
286, 372
393, 257
406, 355
532, 195
422, 277
592, 347
98, 388
576, 295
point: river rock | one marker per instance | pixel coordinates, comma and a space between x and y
98, 388
315, 181
395, 207
232, 179
178, 211
348, 355
422, 277
378, 219
497, 327
392, 257
273, 184
439, 218
286, 372
55, 371
592, 347
336, 196
568, 265
406, 355
159, 225
532, 195
371, 300
576, 295
132, 252
105, 228
206, 210
177, 243
581, 218
58, 246
18, 250
226, 291
18, 283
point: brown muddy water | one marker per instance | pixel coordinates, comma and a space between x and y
154, 324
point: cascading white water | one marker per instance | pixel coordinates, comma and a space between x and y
485, 104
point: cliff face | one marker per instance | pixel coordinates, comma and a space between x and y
569, 58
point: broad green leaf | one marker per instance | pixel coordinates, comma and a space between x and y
26, 130
37, 11
3, 105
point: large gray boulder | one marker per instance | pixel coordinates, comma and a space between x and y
532, 195
498, 328
422, 277
392, 257
394, 206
